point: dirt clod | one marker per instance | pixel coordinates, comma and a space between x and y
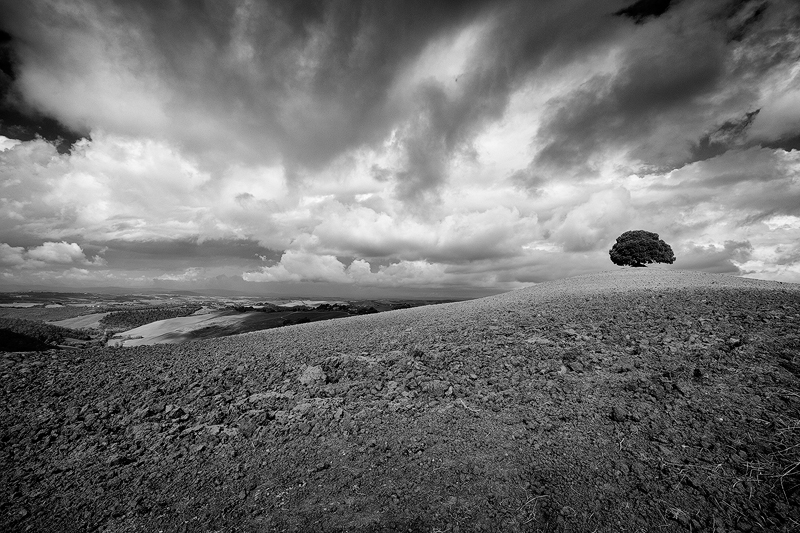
312, 375
618, 414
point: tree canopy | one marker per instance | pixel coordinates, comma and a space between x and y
638, 247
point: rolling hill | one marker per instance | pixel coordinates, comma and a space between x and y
630, 400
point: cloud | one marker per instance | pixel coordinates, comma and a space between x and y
6, 143
780, 120
188, 275
641, 10
590, 226
265, 83
11, 255
385, 144
675, 77
56, 252
109, 188
519, 43
18, 120
458, 237
725, 259
301, 266
479, 236
653, 86
728, 135
744, 186
295, 83
49, 254
211, 253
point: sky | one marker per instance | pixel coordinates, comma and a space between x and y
399, 148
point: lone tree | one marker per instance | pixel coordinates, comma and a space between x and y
637, 247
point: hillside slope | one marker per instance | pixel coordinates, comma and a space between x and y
632, 400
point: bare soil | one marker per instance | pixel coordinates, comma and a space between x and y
635, 400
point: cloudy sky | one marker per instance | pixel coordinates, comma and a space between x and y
414, 147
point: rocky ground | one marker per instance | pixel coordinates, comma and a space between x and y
634, 400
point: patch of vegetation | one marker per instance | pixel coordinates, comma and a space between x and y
304, 316
17, 342
260, 307
134, 318
24, 335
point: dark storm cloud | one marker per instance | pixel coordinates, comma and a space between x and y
310, 80
442, 126
742, 15
367, 45
19, 121
685, 76
303, 82
183, 253
626, 107
642, 10
789, 142
524, 37
363, 48
390, 134
715, 259
726, 136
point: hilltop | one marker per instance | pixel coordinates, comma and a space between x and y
631, 400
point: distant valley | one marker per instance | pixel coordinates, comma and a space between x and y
43, 320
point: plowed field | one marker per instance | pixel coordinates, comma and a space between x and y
633, 400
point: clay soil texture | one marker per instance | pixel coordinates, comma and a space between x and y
652, 407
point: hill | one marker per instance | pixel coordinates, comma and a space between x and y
632, 400
220, 323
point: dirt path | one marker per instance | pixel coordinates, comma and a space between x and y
625, 401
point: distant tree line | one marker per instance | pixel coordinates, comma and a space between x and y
261, 308
301, 320
272, 308
134, 318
